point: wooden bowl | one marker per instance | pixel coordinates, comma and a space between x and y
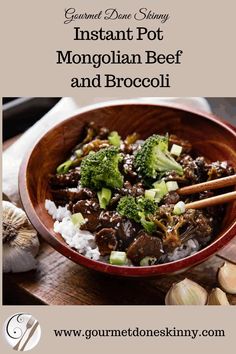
209, 136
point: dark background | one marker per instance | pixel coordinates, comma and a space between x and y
19, 113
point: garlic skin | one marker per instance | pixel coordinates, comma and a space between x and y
20, 241
227, 278
217, 297
186, 292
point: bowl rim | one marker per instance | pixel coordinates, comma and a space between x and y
132, 271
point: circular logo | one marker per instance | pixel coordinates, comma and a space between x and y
22, 331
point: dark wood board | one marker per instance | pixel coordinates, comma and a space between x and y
59, 281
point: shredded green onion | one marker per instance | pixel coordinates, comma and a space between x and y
104, 197
77, 219
179, 208
172, 186
64, 167
150, 194
114, 139
161, 187
176, 150
118, 258
158, 192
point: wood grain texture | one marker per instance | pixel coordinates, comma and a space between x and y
54, 146
209, 185
59, 281
208, 202
229, 251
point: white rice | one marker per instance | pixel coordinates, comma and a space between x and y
82, 241
56, 213
188, 248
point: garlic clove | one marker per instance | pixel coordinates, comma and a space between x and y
186, 292
217, 297
227, 278
20, 240
28, 241
17, 260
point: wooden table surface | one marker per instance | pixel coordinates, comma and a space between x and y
59, 281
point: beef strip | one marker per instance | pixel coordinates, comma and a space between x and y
128, 145
144, 246
72, 194
197, 225
201, 169
90, 210
91, 132
106, 241
205, 194
174, 176
171, 198
110, 219
103, 133
88, 133
194, 170
94, 145
128, 167
69, 180
114, 201
219, 169
135, 190
126, 232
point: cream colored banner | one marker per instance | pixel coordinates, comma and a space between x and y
31, 34
94, 320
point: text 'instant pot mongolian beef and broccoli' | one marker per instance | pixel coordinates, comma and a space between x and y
116, 200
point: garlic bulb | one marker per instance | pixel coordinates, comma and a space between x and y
186, 292
227, 277
217, 297
20, 241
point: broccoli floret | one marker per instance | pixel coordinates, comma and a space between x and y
154, 158
138, 211
148, 226
147, 206
100, 169
128, 207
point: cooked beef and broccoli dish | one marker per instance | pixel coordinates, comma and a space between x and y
116, 200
